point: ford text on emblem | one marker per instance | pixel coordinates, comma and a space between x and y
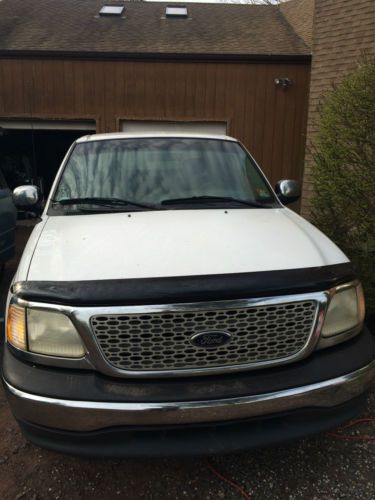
211, 338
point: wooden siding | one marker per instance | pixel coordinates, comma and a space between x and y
269, 120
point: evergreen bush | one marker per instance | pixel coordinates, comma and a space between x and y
343, 204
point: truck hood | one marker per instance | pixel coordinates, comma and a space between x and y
173, 243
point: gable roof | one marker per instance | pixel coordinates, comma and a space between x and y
75, 27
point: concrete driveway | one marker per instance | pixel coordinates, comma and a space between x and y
338, 465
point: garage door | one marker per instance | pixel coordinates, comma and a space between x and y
157, 126
88, 125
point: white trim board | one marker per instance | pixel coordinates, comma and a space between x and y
157, 126
48, 125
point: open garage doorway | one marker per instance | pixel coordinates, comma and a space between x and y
31, 152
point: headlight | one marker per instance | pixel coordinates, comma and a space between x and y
346, 311
48, 332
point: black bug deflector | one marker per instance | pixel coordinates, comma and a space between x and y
181, 289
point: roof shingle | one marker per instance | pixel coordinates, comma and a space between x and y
74, 26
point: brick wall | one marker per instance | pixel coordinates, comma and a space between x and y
343, 30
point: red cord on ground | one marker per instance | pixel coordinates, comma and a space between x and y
363, 437
236, 486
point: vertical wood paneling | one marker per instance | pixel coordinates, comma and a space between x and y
240, 101
200, 92
289, 133
210, 89
262, 112
269, 142
300, 121
268, 120
69, 87
281, 111
16, 97
109, 110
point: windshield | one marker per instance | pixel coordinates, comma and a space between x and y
156, 172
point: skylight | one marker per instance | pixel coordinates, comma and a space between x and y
174, 11
111, 10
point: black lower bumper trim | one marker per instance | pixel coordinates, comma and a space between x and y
208, 439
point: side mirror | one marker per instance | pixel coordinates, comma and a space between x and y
26, 196
288, 191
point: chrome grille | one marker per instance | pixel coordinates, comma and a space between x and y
161, 341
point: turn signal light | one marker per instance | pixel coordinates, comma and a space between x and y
16, 327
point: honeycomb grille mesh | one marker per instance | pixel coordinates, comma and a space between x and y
161, 341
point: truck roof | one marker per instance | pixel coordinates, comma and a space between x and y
124, 135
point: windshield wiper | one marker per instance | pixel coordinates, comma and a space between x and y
102, 202
215, 199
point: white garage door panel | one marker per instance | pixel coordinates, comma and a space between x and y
145, 127
47, 125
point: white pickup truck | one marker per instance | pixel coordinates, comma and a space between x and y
169, 303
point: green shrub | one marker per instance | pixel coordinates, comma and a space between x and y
343, 204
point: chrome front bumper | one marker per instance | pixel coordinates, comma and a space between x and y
81, 416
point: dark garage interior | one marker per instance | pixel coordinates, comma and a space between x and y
34, 156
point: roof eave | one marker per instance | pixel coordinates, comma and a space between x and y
296, 58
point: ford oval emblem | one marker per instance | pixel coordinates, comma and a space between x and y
210, 338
